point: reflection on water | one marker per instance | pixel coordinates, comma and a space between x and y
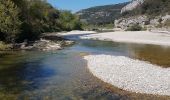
63, 74
159, 55
153, 54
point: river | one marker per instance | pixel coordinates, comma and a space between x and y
63, 75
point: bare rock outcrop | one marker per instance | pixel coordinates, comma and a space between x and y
132, 5
144, 21
124, 23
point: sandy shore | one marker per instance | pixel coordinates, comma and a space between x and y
129, 74
142, 37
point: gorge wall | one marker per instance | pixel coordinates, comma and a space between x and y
146, 21
132, 5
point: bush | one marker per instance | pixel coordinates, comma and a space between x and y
135, 27
4, 46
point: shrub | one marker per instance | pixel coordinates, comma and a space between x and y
135, 27
4, 46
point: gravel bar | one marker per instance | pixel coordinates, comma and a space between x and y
130, 74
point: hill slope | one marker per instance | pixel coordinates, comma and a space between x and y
101, 14
150, 8
149, 14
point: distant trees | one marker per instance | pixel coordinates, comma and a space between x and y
101, 15
26, 19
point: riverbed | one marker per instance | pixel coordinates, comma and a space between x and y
63, 75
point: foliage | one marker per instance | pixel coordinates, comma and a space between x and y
28, 19
98, 27
69, 21
9, 21
135, 27
38, 17
4, 46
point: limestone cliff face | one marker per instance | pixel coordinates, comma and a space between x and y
124, 23
161, 21
143, 21
132, 5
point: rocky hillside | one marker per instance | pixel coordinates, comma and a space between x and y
132, 5
149, 14
101, 14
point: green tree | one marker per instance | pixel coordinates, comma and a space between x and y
38, 17
27, 19
69, 21
9, 21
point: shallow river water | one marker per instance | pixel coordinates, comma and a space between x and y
63, 75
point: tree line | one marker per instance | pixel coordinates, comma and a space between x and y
27, 19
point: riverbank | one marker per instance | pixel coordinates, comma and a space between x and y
129, 74
140, 37
46, 43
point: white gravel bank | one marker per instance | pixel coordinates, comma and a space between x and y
129, 74
143, 37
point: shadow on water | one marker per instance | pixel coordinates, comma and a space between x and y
23, 76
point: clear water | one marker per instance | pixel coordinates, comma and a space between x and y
63, 75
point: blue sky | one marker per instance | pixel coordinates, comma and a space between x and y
76, 5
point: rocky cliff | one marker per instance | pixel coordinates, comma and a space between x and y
161, 22
154, 14
132, 5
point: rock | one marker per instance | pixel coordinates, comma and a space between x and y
161, 22
124, 23
46, 45
142, 20
165, 18
68, 42
155, 21
132, 5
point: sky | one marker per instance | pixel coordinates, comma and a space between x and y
76, 5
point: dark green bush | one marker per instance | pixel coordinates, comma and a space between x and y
135, 27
